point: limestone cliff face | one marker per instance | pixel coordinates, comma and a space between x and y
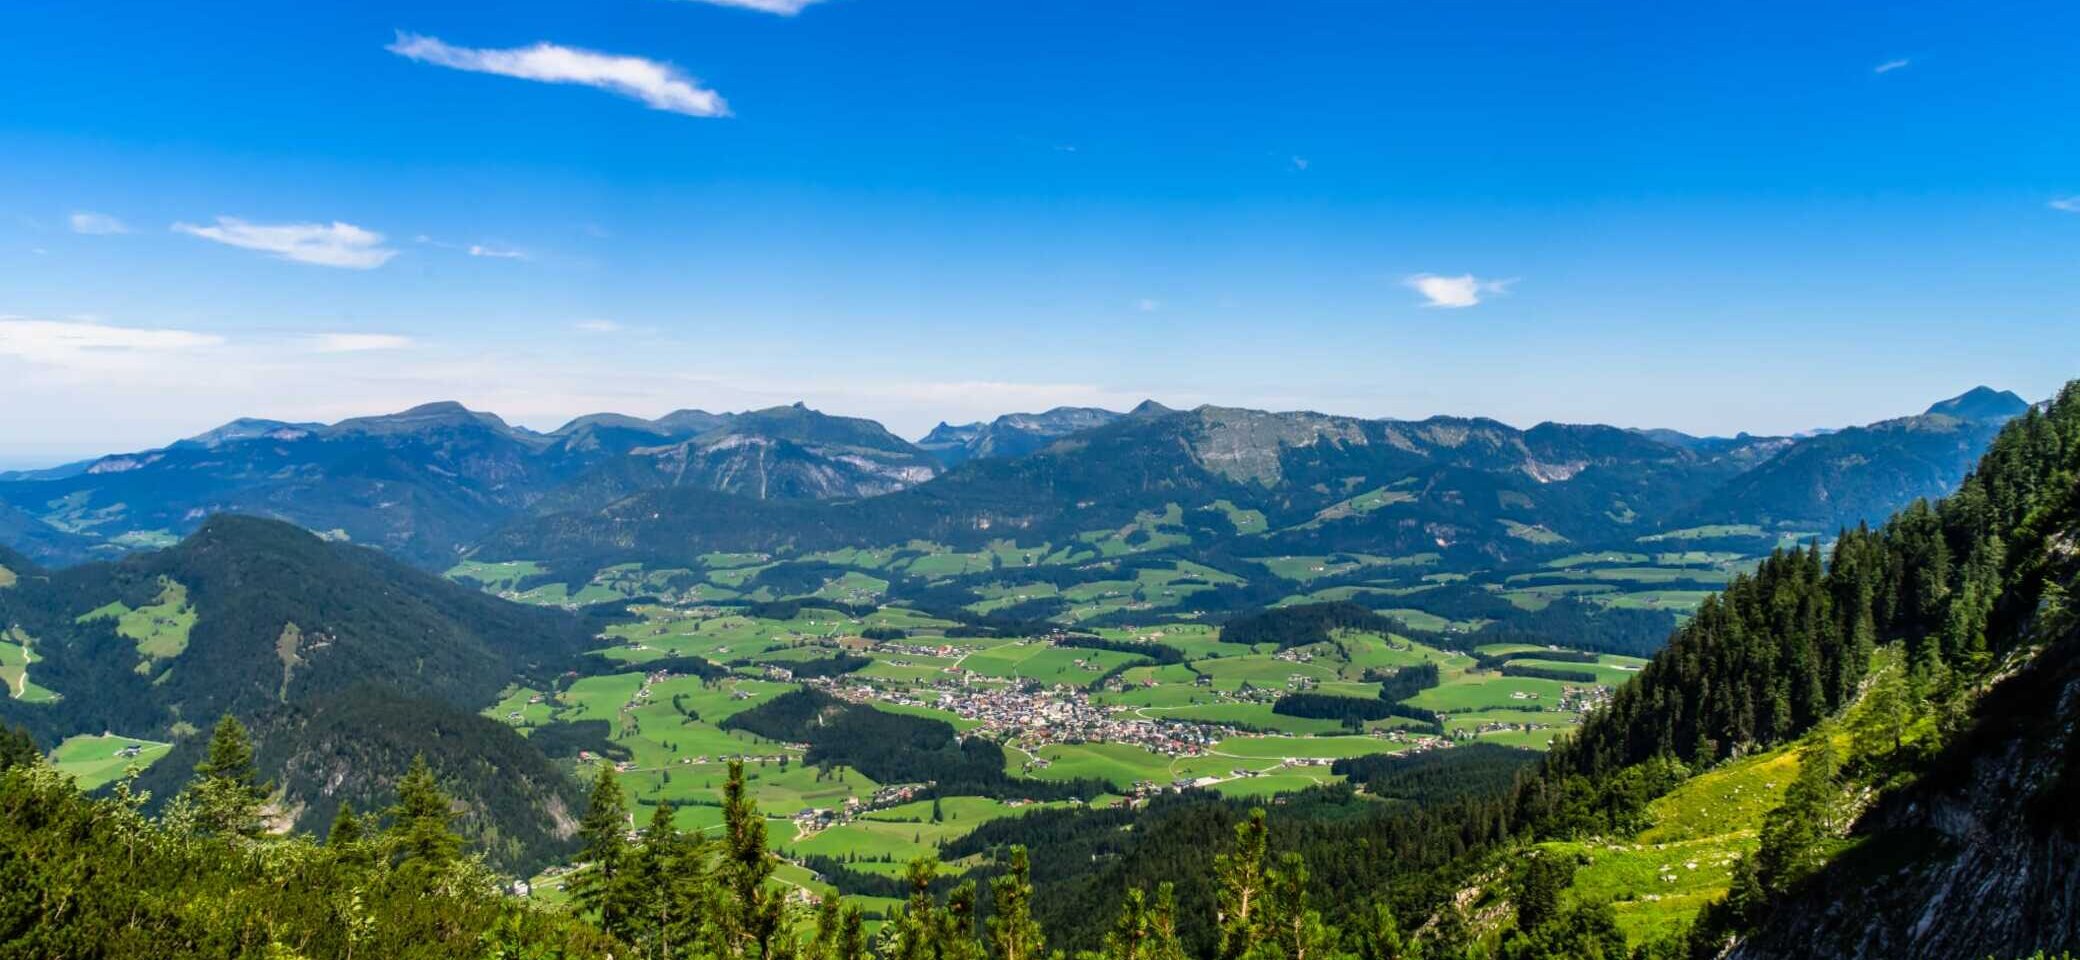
1980, 859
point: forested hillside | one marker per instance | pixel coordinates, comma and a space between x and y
346, 662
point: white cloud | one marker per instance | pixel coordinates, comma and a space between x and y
87, 345
97, 224
358, 342
598, 326
1891, 65
327, 245
2068, 204
496, 253
1464, 290
660, 85
785, 8
1148, 305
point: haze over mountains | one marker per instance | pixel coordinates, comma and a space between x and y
432, 482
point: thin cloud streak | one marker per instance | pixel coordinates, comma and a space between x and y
658, 85
336, 244
92, 224
89, 346
785, 8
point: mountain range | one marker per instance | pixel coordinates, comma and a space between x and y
438, 481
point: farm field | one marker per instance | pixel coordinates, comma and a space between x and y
17, 654
1046, 663
160, 628
96, 761
1488, 691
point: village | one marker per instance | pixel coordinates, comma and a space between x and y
1032, 714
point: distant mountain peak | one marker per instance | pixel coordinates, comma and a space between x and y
1982, 403
437, 413
437, 408
606, 420
248, 428
1011, 435
1149, 408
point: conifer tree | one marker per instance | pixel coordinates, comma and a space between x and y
1295, 929
955, 934
226, 786
750, 915
852, 943
1794, 835
1377, 935
1013, 933
824, 944
666, 884
346, 827
599, 886
420, 823
1164, 942
914, 930
1128, 939
1240, 874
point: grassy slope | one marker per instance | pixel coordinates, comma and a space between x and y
1660, 878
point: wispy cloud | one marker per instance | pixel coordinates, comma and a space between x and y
598, 326
1891, 65
659, 85
97, 224
785, 8
84, 344
474, 249
1148, 305
327, 245
358, 342
2068, 204
1300, 163
1465, 290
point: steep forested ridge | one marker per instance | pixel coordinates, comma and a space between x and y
1961, 765
1975, 845
358, 617
345, 661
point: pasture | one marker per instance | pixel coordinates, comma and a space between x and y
96, 761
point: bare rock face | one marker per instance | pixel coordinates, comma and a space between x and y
1982, 858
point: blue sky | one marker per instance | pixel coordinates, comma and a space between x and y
1763, 216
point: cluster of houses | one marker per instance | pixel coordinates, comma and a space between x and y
888, 795
1584, 699
1034, 715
